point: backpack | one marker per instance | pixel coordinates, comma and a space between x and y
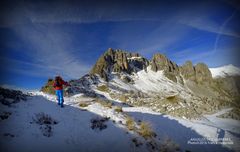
58, 82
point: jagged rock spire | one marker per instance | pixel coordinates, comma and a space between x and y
199, 73
118, 61
161, 62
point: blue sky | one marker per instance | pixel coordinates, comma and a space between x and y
39, 39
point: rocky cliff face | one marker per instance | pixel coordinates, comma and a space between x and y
48, 87
203, 74
171, 69
199, 73
118, 61
188, 71
9, 97
121, 61
161, 62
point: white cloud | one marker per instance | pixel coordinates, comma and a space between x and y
198, 15
149, 38
36, 23
210, 26
57, 12
222, 29
51, 52
225, 54
207, 19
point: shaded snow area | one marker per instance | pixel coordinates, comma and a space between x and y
39, 124
227, 70
72, 131
183, 131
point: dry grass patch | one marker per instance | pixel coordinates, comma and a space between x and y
169, 145
130, 123
172, 99
105, 103
146, 131
83, 104
123, 98
112, 95
103, 88
137, 142
99, 123
118, 109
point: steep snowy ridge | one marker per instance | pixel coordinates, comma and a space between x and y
227, 70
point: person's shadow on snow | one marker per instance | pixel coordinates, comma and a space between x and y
170, 128
221, 133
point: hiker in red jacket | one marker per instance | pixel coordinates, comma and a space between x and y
58, 86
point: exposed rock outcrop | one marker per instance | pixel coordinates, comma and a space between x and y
161, 62
118, 61
48, 87
203, 74
8, 97
188, 71
228, 86
199, 73
171, 69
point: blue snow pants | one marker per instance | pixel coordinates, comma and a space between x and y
59, 94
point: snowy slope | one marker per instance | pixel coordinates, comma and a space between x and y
151, 82
182, 130
227, 70
73, 131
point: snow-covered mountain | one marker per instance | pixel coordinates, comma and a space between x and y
186, 91
127, 103
36, 123
227, 70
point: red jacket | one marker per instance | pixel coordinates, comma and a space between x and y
60, 85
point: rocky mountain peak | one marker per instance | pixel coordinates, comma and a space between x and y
188, 71
161, 62
118, 61
203, 74
199, 73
